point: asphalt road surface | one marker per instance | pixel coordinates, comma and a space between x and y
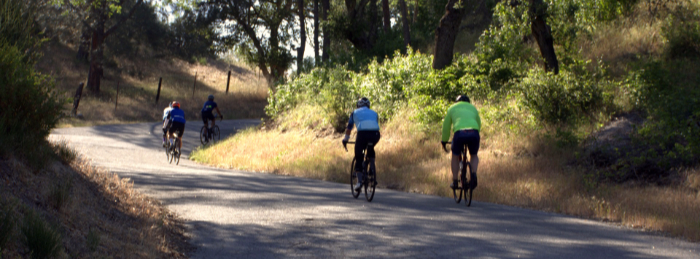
235, 214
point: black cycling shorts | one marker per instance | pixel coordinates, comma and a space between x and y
469, 138
178, 127
206, 116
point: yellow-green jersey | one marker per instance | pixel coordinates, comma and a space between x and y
460, 116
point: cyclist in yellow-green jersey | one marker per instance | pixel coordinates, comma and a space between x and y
463, 119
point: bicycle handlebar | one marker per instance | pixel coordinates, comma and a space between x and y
346, 143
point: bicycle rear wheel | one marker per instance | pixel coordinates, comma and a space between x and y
177, 152
370, 184
171, 150
353, 180
215, 134
467, 188
203, 135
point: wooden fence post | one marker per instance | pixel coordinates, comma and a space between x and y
76, 98
228, 81
194, 86
116, 100
158, 94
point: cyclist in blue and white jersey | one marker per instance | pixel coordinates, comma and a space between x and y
177, 116
367, 122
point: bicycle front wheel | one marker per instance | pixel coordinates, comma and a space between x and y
215, 134
167, 151
353, 180
172, 154
203, 135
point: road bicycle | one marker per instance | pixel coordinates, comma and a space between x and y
368, 168
215, 133
465, 169
172, 150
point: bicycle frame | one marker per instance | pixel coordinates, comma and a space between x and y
464, 164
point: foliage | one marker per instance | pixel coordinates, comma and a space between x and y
561, 98
29, 108
682, 32
42, 240
671, 137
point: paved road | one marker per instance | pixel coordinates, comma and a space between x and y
235, 214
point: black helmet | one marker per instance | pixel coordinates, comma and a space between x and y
462, 98
363, 102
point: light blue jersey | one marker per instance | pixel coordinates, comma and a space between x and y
365, 119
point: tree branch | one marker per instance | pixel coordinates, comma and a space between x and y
124, 18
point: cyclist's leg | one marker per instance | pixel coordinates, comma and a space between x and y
360, 145
473, 141
180, 129
458, 142
372, 138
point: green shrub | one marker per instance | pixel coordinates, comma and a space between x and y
560, 98
682, 32
29, 107
668, 140
7, 223
93, 240
42, 240
60, 194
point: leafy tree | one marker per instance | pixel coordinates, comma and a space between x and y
258, 29
100, 18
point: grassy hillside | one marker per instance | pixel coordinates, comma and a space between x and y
138, 85
612, 137
70, 209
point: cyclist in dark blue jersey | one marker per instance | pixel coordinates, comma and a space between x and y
208, 114
177, 117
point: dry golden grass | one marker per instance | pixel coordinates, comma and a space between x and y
519, 171
138, 85
128, 223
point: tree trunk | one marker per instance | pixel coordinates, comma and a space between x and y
404, 21
316, 32
302, 36
415, 11
326, 33
446, 33
96, 58
387, 15
543, 34
84, 47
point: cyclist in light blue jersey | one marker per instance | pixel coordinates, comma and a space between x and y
367, 122
166, 122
